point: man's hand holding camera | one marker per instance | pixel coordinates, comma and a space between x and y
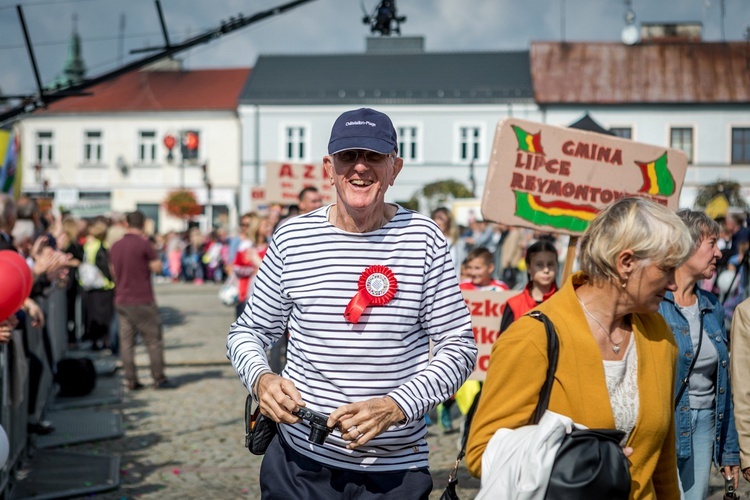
278, 398
358, 422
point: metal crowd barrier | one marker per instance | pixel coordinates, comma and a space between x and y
14, 411
36, 343
15, 402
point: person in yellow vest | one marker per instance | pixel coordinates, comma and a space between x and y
95, 277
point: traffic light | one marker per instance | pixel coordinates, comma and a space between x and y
189, 144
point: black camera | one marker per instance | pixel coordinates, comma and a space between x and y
318, 429
729, 491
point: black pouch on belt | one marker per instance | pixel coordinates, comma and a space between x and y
259, 429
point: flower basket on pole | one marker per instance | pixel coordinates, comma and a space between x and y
182, 204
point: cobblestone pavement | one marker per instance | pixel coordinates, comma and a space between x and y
189, 442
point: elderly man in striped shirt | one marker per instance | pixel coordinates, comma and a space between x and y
378, 331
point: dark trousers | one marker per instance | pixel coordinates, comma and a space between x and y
99, 308
287, 475
144, 319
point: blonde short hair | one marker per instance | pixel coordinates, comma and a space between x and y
653, 232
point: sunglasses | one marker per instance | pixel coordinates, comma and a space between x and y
350, 156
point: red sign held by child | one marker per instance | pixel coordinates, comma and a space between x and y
485, 312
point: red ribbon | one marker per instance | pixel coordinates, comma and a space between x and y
377, 286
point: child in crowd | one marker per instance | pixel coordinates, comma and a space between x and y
479, 267
541, 266
463, 274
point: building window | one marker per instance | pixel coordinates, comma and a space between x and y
295, 143
151, 211
44, 148
408, 147
92, 146
624, 132
469, 143
147, 146
681, 138
740, 145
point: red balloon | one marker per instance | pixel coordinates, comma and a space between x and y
17, 259
12, 290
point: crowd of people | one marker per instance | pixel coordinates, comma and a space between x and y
362, 286
104, 266
327, 296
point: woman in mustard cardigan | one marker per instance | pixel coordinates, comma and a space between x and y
617, 355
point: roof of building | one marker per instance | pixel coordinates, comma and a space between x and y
399, 78
147, 90
614, 73
589, 124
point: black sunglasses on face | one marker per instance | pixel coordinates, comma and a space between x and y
350, 156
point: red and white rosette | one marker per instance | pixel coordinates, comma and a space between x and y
377, 286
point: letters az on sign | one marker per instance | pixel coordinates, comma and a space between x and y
284, 181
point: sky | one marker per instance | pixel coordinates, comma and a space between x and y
322, 26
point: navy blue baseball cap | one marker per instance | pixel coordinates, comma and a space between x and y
363, 128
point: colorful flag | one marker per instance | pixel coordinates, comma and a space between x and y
9, 150
657, 179
531, 143
557, 214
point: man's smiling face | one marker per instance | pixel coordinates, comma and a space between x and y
362, 179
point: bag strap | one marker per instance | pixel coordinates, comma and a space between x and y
250, 416
553, 348
686, 380
469, 417
552, 354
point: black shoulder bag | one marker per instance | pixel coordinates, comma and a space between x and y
590, 463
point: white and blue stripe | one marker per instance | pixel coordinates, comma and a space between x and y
307, 278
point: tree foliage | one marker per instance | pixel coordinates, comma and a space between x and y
730, 189
440, 193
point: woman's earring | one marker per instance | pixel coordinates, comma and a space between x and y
624, 281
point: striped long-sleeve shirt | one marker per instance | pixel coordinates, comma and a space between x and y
305, 282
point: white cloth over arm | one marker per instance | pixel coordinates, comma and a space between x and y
518, 462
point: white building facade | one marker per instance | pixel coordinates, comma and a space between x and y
445, 107
108, 152
437, 142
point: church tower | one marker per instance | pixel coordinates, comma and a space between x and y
74, 69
